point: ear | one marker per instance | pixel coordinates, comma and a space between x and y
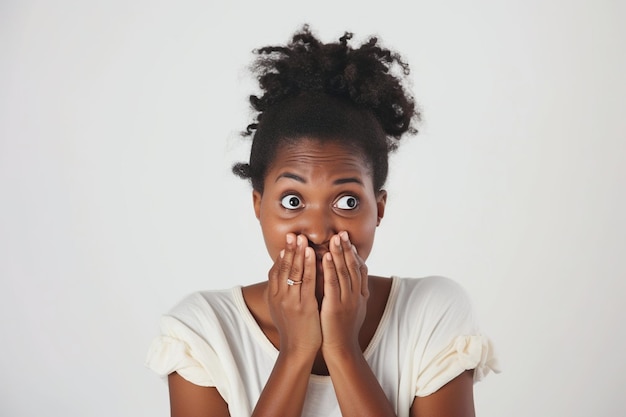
381, 202
256, 202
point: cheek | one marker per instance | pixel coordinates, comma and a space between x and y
274, 232
363, 238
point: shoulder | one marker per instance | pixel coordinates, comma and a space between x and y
200, 308
435, 301
432, 290
205, 299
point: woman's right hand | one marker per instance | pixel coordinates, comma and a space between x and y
294, 308
295, 314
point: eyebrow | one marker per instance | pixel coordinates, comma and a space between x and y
338, 181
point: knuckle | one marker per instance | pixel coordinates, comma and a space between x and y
354, 265
273, 273
295, 272
293, 309
285, 305
284, 268
333, 281
343, 272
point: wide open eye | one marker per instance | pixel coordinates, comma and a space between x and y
347, 202
291, 202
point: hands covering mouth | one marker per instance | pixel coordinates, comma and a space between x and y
334, 323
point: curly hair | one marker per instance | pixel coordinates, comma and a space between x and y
328, 91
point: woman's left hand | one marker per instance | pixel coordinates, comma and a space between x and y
346, 293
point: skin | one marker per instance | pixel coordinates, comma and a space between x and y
318, 213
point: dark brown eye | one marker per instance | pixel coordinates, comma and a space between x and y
347, 202
291, 202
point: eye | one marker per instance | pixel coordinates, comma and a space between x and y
347, 202
291, 202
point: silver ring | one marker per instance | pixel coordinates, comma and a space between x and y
292, 282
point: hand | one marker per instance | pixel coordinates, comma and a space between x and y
346, 293
294, 308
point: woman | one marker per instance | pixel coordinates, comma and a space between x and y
320, 337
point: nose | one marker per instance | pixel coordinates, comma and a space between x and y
317, 225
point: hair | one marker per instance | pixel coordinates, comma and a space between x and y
328, 92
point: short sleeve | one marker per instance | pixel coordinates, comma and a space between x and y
179, 349
450, 342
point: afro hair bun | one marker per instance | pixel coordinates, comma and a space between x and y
363, 75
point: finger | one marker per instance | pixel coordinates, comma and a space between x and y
307, 291
297, 267
343, 274
360, 273
274, 272
332, 290
365, 289
286, 262
353, 262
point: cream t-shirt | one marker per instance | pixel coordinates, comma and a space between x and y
426, 337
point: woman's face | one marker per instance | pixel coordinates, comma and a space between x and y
319, 189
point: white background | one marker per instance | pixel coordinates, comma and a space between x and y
119, 122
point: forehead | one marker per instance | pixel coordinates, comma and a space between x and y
324, 157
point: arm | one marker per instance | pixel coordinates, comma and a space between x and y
455, 399
295, 313
343, 311
285, 390
358, 391
190, 400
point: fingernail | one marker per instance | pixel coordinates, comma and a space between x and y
282, 253
300, 240
289, 239
336, 240
328, 256
307, 252
344, 236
